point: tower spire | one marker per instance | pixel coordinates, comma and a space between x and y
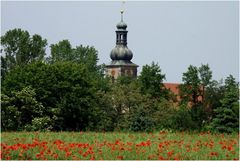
121, 15
122, 10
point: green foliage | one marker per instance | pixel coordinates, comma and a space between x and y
205, 75
63, 51
117, 102
151, 115
20, 48
151, 80
20, 109
70, 92
214, 93
41, 123
195, 82
86, 55
199, 116
3, 67
126, 108
182, 119
10, 116
126, 80
66, 86
164, 110
226, 118
190, 89
197, 92
141, 120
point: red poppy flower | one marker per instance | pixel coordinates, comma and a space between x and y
230, 148
120, 157
170, 153
160, 158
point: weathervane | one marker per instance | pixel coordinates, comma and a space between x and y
122, 10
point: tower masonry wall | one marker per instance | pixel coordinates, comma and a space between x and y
115, 72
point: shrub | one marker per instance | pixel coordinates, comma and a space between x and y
182, 120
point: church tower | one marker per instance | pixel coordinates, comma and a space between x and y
121, 56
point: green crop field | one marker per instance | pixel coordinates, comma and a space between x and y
118, 145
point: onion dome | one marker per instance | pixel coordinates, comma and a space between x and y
121, 53
121, 25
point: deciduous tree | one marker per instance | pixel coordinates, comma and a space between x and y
205, 77
63, 51
190, 89
151, 81
20, 48
66, 90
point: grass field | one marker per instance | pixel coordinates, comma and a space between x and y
117, 146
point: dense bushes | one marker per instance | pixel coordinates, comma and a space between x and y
65, 96
65, 90
21, 110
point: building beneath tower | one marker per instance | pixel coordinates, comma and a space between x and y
121, 56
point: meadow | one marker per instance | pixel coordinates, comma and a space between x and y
118, 146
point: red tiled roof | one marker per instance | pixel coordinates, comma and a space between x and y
173, 87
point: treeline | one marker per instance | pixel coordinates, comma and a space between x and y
67, 90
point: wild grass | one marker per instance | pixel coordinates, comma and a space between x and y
118, 145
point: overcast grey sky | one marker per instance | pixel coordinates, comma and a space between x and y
173, 34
